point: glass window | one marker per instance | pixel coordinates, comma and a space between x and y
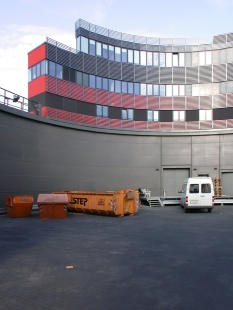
44, 69
182, 90
79, 78
92, 47
156, 90
78, 46
98, 49
111, 85
98, 82
194, 188
156, 59
162, 60
168, 59
84, 45
130, 114
38, 70
52, 69
105, 51
130, 56
130, 88
124, 87
152, 116
195, 59
118, 86
105, 84
85, 79
149, 90
175, 60
162, 90
124, 54
143, 58
156, 116
117, 54
169, 90
149, 59
206, 188
182, 118
205, 115
181, 60
111, 52
178, 116
92, 81
208, 58
105, 111
59, 71
99, 110
201, 58
29, 74
175, 90
124, 114
136, 89
136, 57
208, 115
149, 116
143, 89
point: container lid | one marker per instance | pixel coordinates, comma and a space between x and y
55, 198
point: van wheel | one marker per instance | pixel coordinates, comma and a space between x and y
209, 210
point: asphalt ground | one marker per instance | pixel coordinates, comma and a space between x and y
161, 258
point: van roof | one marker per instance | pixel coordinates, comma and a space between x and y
198, 178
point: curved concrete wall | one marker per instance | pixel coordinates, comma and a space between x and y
38, 155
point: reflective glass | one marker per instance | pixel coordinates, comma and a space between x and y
99, 110
175, 116
175, 90
156, 59
117, 54
136, 89
105, 51
143, 58
156, 116
168, 59
78, 46
124, 87
208, 58
105, 84
43, 67
98, 82
182, 119
209, 115
195, 59
79, 77
156, 90
52, 69
201, 58
162, 90
124, 55
149, 59
229, 87
111, 85
118, 86
195, 90
105, 111
136, 57
29, 74
182, 90
111, 52
130, 114
143, 89
38, 70
162, 60
130, 56
130, 88
149, 115
222, 56
169, 90
92, 47
124, 114
149, 90
175, 61
92, 81
59, 71
98, 49
85, 79
84, 45
181, 60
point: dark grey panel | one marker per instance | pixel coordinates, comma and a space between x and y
76, 61
54, 101
127, 72
114, 70
192, 115
224, 113
166, 116
84, 32
72, 75
140, 115
165, 75
153, 75
152, 48
51, 52
219, 73
230, 71
102, 67
140, 74
101, 38
191, 75
66, 73
41, 98
90, 64
126, 44
178, 75
63, 57
205, 74
114, 42
114, 113
69, 105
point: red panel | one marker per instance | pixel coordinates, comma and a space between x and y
36, 55
166, 126
76, 92
127, 101
63, 88
179, 125
230, 100
165, 103
153, 103
51, 84
230, 123
178, 103
127, 124
51, 112
75, 117
64, 115
90, 120
154, 125
102, 97
115, 99
192, 125
219, 101
206, 125
44, 111
89, 95
192, 103
102, 121
140, 102
205, 102
37, 86
141, 125
115, 123
219, 124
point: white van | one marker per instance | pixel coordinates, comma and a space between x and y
197, 193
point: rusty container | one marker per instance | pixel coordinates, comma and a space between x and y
120, 203
19, 206
52, 206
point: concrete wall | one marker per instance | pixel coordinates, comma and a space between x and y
39, 155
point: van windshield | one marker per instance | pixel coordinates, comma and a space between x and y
194, 188
205, 188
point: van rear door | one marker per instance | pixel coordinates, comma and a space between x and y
206, 194
194, 195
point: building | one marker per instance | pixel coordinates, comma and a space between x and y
145, 112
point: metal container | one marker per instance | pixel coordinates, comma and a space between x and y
19, 206
52, 206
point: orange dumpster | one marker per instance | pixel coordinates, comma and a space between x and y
19, 206
52, 206
120, 203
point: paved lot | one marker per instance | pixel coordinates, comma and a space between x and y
161, 258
